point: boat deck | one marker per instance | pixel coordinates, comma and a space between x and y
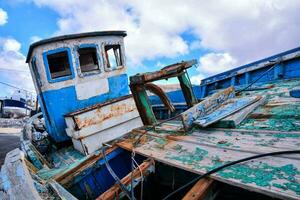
271, 127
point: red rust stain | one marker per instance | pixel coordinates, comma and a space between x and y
103, 114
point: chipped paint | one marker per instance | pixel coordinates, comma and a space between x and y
190, 158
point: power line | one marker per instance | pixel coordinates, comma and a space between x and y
7, 84
14, 70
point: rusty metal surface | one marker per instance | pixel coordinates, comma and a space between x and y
160, 93
166, 72
104, 113
97, 106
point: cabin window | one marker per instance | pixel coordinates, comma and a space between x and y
88, 59
59, 64
113, 56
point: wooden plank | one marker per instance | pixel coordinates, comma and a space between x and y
61, 191
229, 107
235, 119
115, 190
249, 142
199, 190
274, 176
205, 107
16, 178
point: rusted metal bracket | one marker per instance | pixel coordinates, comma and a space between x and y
139, 83
160, 93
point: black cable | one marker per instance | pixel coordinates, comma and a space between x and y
152, 127
7, 84
113, 174
262, 75
227, 165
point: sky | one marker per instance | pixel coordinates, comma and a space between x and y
219, 34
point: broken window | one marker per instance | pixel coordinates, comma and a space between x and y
113, 56
59, 64
88, 59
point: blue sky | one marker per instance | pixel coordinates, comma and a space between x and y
219, 34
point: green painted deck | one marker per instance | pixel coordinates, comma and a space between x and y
274, 126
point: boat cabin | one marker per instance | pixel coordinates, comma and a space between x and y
82, 87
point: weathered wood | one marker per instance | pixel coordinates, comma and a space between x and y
235, 119
166, 72
115, 190
198, 154
187, 90
30, 166
205, 107
160, 93
65, 177
228, 107
199, 190
16, 180
143, 104
61, 191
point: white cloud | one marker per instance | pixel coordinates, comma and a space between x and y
13, 68
10, 44
35, 38
245, 30
3, 17
213, 63
196, 79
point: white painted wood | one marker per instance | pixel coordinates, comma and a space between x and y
92, 88
236, 118
90, 144
90, 129
103, 117
16, 180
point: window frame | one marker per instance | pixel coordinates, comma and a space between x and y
36, 71
47, 68
82, 46
105, 59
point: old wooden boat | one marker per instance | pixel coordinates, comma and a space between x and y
235, 136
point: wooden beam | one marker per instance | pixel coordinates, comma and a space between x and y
235, 119
115, 190
206, 106
187, 90
199, 190
228, 108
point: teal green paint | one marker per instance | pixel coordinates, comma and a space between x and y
228, 133
190, 158
271, 124
161, 142
294, 187
187, 89
177, 147
263, 174
226, 144
143, 98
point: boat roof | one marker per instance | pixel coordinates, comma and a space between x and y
73, 36
267, 61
